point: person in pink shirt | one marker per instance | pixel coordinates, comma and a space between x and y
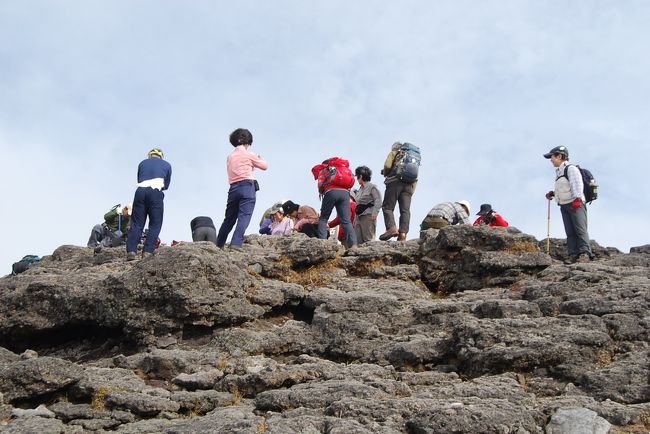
241, 195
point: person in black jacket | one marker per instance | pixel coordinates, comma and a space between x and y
203, 229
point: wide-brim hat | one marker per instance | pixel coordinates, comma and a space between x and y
289, 206
485, 208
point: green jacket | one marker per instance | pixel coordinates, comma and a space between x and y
112, 218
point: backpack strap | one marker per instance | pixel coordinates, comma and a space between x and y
566, 172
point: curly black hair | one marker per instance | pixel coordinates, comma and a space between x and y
241, 136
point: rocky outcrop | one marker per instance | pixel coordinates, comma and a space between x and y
467, 330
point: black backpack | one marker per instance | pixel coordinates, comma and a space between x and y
407, 162
22, 265
590, 186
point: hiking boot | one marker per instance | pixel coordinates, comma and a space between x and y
401, 236
584, 258
146, 254
97, 249
390, 233
234, 248
570, 260
130, 256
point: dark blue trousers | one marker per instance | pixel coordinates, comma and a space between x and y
239, 209
147, 202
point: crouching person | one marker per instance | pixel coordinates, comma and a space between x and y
281, 224
446, 214
111, 233
489, 217
305, 218
203, 229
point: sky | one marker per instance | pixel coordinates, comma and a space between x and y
87, 87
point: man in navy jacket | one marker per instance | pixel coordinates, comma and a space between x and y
154, 176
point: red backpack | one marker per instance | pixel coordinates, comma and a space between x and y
333, 173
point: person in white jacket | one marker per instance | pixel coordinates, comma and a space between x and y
569, 195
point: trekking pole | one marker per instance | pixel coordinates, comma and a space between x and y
548, 229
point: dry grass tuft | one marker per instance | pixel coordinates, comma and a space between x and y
645, 419
140, 373
237, 396
262, 427
363, 268
522, 247
222, 363
99, 398
522, 379
316, 275
640, 428
195, 411
604, 358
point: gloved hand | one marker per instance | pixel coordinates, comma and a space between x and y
577, 203
550, 195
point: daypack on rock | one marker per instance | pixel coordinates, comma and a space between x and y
407, 163
22, 265
590, 186
333, 173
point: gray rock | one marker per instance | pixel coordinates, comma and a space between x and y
474, 416
68, 412
467, 329
96, 424
29, 354
40, 425
316, 395
40, 411
7, 357
201, 402
146, 299
198, 380
236, 419
97, 382
577, 421
5, 413
525, 344
304, 251
145, 426
558, 249
140, 403
623, 380
466, 257
28, 379
645, 249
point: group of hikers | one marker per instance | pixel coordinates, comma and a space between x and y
356, 209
